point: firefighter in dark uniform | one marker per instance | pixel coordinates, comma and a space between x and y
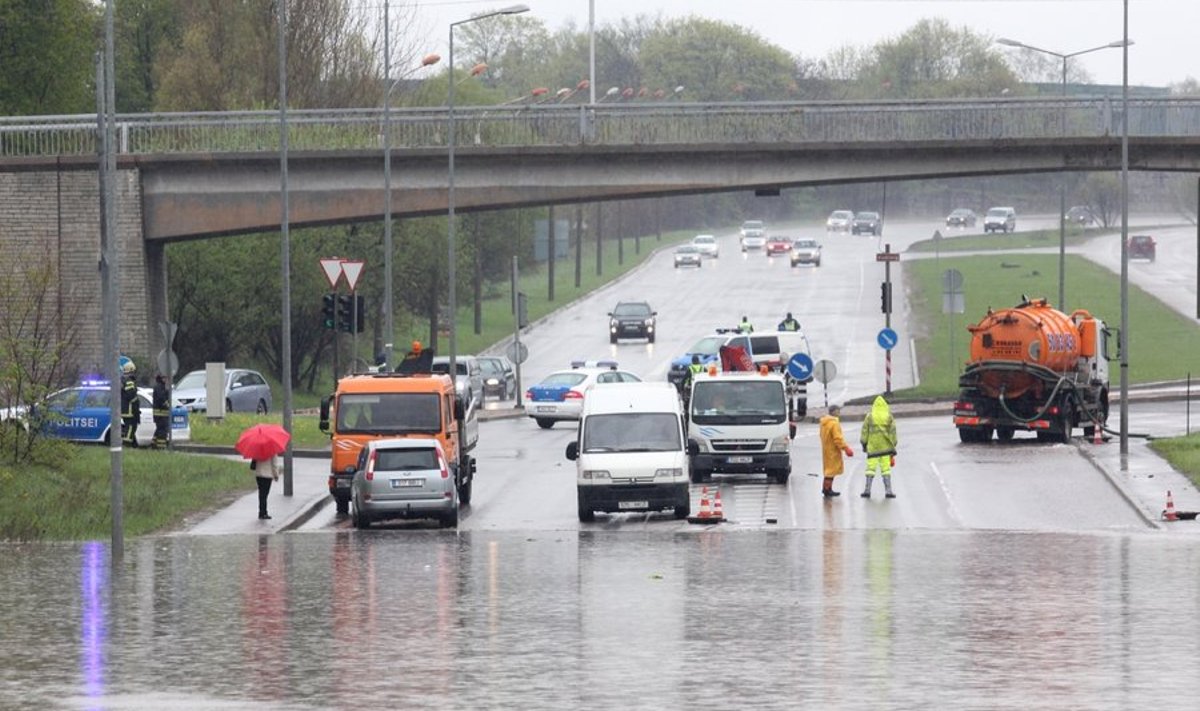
131, 409
161, 401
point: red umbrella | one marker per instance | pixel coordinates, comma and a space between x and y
262, 441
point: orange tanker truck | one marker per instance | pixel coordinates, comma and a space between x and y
1037, 369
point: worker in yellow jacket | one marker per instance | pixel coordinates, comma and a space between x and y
879, 441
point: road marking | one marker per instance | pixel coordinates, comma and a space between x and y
951, 509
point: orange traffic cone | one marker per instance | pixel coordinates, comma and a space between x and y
1169, 513
718, 513
1097, 434
705, 514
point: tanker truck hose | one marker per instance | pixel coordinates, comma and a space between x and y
1092, 416
1041, 413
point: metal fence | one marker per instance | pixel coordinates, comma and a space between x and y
615, 125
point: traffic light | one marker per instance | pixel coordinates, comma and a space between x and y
329, 311
885, 296
345, 313
359, 314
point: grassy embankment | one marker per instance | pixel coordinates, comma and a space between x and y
1182, 453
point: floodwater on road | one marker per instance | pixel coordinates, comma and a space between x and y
589, 620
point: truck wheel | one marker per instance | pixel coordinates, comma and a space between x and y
464, 493
700, 476
683, 510
1064, 430
586, 515
343, 505
545, 423
1005, 434
780, 476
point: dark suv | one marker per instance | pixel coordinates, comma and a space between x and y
631, 319
1141, 247
866, 223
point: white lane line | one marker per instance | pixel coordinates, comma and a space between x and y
951, 509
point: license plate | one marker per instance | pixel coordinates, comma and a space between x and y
406, 483
741, 460
342, 483
546, 408
633, 504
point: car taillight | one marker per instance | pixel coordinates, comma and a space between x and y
964, 406
1053, 410
528, 394
573, 395
445, 469
370, 473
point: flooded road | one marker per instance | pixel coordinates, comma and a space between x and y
588, 620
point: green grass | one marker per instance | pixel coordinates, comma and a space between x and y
1158, 335
70, 500
305, 434
951, 242
1182, 453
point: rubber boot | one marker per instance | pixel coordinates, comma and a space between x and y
867, 490
887, 485
827, 488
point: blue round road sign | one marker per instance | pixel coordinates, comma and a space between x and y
887, 339
800, 366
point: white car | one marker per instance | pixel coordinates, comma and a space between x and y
754, 235
839, 221
806, 251
559, 396
707, 245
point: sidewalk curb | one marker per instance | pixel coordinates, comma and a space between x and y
307, 511
1119, 485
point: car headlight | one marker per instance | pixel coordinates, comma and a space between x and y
668, 473
492, 381
596, 474
782, 443
649, 322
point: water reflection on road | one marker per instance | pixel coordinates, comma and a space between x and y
554, 620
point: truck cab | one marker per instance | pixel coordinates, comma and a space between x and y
738, 423
394, 405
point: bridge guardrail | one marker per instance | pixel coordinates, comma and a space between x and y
608, 125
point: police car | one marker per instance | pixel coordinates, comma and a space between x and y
83, 413
559, 396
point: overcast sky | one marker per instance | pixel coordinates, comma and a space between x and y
1164, 32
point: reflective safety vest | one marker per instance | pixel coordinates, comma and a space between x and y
130, 407
789, 325
696, 367
746, 327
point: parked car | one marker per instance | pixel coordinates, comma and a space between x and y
1000, 219
499, 377
1142, 247
839, 221
867, 223
83, 413
687, 255
469, 377
707, 245
778, 244
631, 319
403, 478
1081, 215
962, 217
754, 235
806, 251
559, 396
245, 391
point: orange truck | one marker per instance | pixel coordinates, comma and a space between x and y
1034, 368
387, 405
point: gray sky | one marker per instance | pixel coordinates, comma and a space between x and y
1164, 31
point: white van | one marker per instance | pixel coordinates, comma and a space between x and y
630, 453
738, 423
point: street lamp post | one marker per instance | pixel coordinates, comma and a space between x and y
1124, 337
1062, 185
450, 251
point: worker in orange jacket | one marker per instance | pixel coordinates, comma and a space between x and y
833, 445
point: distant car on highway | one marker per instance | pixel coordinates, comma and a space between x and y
707, 246
499, 377
469, 383
1000, 219
961, 217
1142, 247
754, 235
1081, 215
867, 223
839, 221
687, 255
806, 251
632, 319
778, 244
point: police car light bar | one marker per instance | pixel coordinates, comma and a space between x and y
93, 383
579, 363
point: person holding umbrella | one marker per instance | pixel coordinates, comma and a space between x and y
262, 444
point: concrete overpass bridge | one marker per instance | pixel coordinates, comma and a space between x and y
196, 175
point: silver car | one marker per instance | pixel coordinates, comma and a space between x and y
245, 391
403, 478
469, 383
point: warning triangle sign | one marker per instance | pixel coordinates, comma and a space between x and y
352, 270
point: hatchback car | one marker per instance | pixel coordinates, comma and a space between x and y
499, 377
806, 251
245, 391
867, 223
83, 413
403, 478
687, 256
962, 217
708, 245
839, 221
470, 375
559, 396
632, 319
1142, 247
778, 245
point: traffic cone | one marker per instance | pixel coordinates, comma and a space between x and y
1169, 513
1098, 434
718, 513
705, 515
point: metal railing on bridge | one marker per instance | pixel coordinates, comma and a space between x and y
615, 125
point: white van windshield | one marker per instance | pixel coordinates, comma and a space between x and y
738, 402
632, 432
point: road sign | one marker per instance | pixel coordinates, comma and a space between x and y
168, 330
952, 280
937, 236
517, 352
800, 366
352, 269
167, 362
824, 371
953, 302
887, 339
887, 256
332, 266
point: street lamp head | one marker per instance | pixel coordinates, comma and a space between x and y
1120, 43
514, 9
1008, 42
